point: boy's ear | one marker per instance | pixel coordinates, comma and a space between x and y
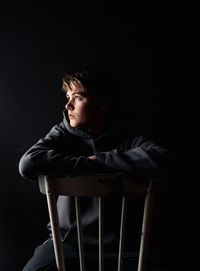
105, 107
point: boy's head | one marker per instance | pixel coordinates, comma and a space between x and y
97, 79
91, 92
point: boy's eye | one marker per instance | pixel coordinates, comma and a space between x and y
78, 98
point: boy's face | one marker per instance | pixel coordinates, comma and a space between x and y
82, 110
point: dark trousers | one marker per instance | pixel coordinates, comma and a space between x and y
44, 259
49, 267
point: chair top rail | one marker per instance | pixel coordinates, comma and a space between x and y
95, 185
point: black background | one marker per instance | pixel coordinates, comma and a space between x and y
38, 45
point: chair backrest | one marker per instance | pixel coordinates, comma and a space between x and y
100, 185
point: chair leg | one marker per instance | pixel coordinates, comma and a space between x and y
122, 233
53, 214
146, 225
80, 235
101, 259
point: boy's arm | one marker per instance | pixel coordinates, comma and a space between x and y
144, 156
46, 157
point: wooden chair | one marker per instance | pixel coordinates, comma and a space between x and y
99, 186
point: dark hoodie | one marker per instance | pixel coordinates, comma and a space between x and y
64, 150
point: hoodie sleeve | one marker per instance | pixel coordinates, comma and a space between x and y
46, 157
143, 156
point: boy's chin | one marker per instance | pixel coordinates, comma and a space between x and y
74, 124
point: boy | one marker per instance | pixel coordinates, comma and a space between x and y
88, 140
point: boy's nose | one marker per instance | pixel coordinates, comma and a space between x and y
69, 106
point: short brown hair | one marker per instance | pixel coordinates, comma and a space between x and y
98, 79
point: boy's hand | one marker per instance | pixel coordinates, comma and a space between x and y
106, 168
93, 157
